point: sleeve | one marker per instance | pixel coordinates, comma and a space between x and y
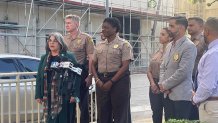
127, 52
185, 65
89, 45
76, 86
162, 72
162, 66
208, 78
39, 81
75, 91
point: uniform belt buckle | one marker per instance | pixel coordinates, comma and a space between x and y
105, 74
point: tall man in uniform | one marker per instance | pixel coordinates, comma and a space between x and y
207, 92
82, 46
111, 71
176, 71
195, 29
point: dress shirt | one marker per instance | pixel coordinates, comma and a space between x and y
208, 74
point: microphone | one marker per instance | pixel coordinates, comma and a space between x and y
65, 64
54, 65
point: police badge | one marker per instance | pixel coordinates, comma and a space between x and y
116, 46
79, 41
176, 57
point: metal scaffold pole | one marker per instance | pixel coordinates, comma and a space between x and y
27, 28
107, 8
50, 18
130, 22
64, 31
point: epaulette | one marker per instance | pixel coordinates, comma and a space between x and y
83, 33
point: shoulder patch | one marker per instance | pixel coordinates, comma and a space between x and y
125, 41
90, 40
127, 44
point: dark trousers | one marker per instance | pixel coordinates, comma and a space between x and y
157, 105
194, 115
114, 105
66, 115
84, 104
177, 109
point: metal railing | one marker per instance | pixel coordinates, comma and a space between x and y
17, 102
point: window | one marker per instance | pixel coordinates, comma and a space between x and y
7, 66
30, 65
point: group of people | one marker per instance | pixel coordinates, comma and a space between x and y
59, 87
182, 73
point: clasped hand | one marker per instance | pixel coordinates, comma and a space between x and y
104, 86
164, 90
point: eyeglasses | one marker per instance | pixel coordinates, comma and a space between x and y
51, 41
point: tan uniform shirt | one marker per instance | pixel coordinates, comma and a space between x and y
201, 47
81, 46
109, 56
155, 63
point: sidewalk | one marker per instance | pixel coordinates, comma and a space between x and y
140, 105
148, 120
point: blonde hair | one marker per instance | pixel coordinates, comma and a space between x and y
74, 18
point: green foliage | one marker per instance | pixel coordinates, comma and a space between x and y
182, 121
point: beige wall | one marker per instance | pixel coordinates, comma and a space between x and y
184, 6
198, 9
211, 11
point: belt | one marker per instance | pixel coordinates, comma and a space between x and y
212, 98
107, 74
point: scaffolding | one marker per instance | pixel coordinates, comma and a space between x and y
30, 36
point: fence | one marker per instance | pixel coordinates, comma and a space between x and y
17, 103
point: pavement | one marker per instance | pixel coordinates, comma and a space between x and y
140, 104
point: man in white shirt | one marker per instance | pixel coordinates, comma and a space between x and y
207, 93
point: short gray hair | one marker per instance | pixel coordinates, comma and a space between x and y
75, 18
212, 23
